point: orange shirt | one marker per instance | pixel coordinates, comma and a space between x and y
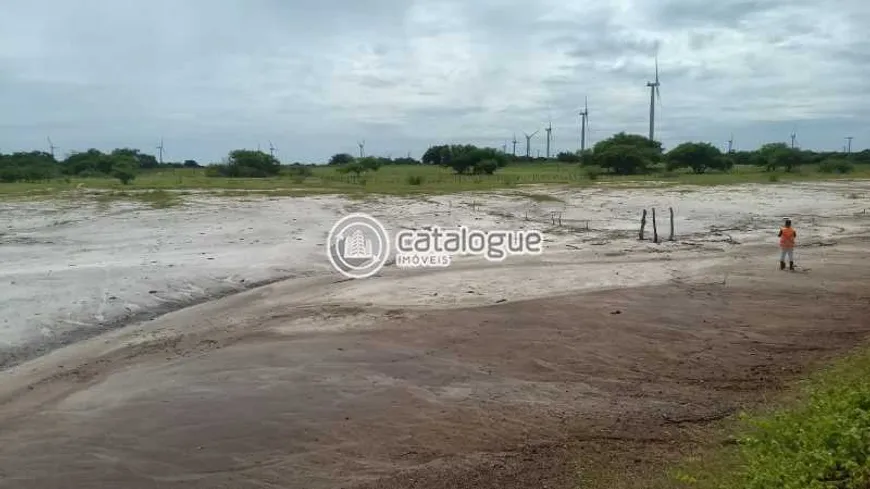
786, 237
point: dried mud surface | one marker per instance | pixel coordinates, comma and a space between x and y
528, 393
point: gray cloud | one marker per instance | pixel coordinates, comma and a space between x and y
694, 13
316, 77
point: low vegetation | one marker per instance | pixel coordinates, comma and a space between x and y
821, 440
442, 168
243, 163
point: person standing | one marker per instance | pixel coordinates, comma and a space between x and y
787, 236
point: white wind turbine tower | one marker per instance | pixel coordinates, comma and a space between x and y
529, 143
549, 130
272, 149
362, 148
793, 135
51, 146
653, 95
731, 144
515, 145
584, 118
160, 152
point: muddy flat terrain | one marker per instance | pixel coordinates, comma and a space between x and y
270, 389
71, 268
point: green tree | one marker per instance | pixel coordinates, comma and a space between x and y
405, 160
779, 155
370, 163
254, 164
622, 160
437, 155
700, 157
836, 165
447, 154
355, 168
341, 159
768, 155
143, 161
586, 158
32, 166
744, 158
568, 157
471, 159
92, 162
626, 154
124, 168
790, 159
485, 167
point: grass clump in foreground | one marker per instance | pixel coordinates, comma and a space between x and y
822, 441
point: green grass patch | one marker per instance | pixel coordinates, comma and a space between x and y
410, 180
820, 440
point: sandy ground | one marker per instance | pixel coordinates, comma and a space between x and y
264, 390
604, 346
69, 270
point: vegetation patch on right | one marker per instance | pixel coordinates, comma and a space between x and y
822, 441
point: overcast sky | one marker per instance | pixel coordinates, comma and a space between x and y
317, 76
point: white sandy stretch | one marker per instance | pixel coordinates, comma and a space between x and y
66, 268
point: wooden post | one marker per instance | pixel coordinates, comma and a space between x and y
655, 231
672, 223
642, 224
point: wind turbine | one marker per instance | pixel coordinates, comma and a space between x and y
529, 142
362, 148
515, 145
848, 144
584, 117
653, 95
793, 136
731, 144
549, 130
272, 149
51, 146
160, 152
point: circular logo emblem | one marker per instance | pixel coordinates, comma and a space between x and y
358, 246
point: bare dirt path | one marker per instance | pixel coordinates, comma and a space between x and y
253, 392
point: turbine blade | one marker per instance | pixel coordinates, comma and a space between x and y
658, 95
657, 68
